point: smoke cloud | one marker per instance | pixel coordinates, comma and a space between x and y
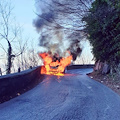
56, 30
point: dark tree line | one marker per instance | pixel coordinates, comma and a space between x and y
103, 29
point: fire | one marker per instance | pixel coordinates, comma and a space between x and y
54, 65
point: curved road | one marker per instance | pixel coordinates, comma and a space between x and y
72, 97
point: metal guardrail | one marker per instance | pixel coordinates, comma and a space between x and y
80, 66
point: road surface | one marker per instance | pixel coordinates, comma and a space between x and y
72, 97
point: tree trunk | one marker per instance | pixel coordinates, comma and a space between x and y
9, 63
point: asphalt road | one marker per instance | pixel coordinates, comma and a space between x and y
72, 97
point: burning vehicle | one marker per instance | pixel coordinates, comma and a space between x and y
54, 64
59, 38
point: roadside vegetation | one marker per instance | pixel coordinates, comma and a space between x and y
103, 29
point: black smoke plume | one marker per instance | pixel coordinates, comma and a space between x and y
58, 32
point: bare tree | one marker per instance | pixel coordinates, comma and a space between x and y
30, 58
8, 33
21, 48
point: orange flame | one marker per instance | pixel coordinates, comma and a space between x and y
55, 68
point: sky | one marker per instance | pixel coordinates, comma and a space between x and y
24, 12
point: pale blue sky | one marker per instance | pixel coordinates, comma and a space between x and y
24, 14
